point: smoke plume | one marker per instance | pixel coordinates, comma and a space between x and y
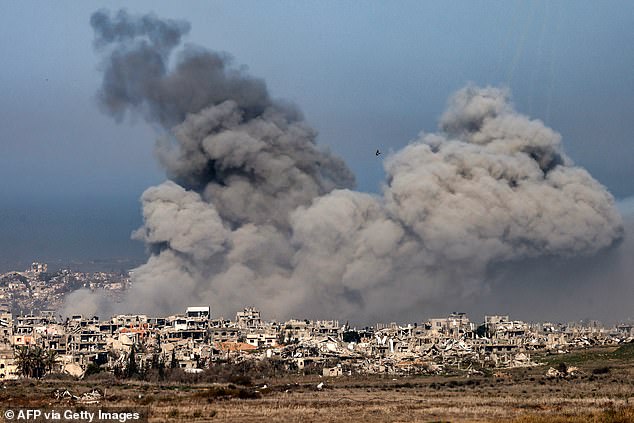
255, 213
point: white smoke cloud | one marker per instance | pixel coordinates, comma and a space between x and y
256, 214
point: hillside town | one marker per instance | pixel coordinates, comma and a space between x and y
38, 289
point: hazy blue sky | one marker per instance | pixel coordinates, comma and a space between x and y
366, 74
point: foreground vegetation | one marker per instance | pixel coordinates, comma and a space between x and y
602, 390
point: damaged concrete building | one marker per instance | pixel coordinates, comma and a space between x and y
195, 340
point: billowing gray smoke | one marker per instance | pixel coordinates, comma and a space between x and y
255, 213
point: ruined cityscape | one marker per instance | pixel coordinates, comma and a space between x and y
197, 340
317, 212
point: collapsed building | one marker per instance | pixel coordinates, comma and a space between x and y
195, 340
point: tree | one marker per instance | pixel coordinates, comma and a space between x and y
161, 369
49, 360
155, 360
173, 362
92, 369
131, 368
145, 369
34, 361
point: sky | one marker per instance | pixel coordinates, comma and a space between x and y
367, 76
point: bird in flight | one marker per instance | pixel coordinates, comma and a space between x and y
377, 153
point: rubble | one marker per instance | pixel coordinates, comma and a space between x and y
554, 373
194, 341
92, 397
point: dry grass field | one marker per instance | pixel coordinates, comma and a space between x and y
602, 392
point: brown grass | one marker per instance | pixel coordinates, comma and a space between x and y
525, 396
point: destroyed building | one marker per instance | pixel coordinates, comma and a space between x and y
195, 340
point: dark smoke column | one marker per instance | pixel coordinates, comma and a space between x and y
229, 138
238, 160
255, 213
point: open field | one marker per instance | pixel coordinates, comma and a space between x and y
603, 391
